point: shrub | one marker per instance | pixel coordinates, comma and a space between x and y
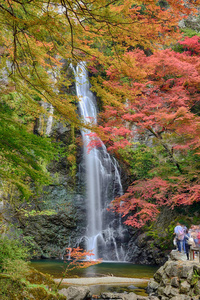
17, 268
11, 250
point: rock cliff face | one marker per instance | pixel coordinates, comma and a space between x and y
177, 279
51, 234
142, 250
154, 245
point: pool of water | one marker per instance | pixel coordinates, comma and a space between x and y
139, 289
56, 268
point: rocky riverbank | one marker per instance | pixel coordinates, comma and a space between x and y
177, 279
84, 293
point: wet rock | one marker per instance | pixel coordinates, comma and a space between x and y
76, 293
120, 296
152, 286
159, 274
174, 255
185, 270
165, 280
184, 287
167, 290
160, 290
132, 287
175, 282
171, 270
130, 296
181, 297
112, 296
174, 291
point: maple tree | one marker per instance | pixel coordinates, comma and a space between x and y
160, 99
77, 258
160, 102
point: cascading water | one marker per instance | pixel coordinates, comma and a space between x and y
104, 232
49, 120
46, 120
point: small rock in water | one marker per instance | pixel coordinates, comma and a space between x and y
132, 287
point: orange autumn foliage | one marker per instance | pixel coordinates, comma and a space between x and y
77, 258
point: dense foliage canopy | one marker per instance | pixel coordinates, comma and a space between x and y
142, 84
162, 106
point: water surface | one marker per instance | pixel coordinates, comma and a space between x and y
56, 268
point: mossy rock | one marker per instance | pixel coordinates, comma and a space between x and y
40, 293
197, 288
11, 289
36, 286
37, 277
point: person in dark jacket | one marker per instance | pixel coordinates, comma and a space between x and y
187, 246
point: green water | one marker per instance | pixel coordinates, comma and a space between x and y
56, 268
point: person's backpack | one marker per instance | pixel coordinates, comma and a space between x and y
190, 241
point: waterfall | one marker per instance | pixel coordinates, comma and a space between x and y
49, 120
104, 232
45, 121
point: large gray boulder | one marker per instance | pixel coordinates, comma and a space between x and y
76, 293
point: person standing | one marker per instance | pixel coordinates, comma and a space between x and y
194, 232
187, 245
184, 238
179, 233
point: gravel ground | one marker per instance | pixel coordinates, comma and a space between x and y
101, 280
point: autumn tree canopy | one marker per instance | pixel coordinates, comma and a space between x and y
161, 101
37, 36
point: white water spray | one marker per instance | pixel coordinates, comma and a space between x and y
103, 182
